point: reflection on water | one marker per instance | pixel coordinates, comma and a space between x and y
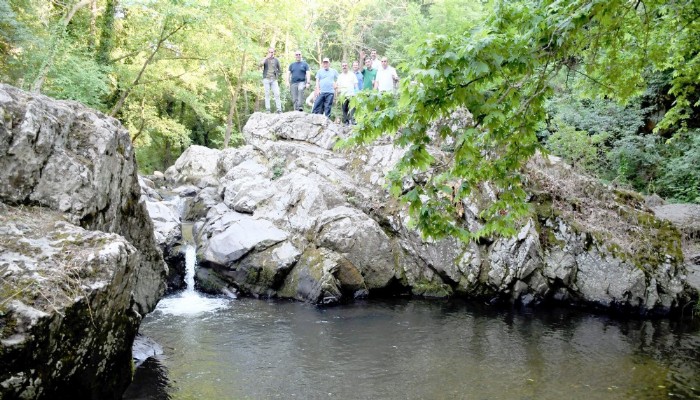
418, 350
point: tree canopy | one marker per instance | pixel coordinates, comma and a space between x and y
503, 71
612, 86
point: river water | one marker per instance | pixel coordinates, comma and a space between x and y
417, 349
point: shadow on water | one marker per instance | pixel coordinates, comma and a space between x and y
150, 382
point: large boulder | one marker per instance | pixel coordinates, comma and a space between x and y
584, 243
80, 266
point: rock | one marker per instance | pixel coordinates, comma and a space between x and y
584, 242
687, 218
311, 128
195, 163
240, 235
145, 347
77, 250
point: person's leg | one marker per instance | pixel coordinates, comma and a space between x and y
294, 90
352, 116
300, 105
318, 105
345, 107
327, 104
276, 92
266, 85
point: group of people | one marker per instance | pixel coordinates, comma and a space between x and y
376, 75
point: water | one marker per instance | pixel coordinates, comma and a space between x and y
189, 301
254, 349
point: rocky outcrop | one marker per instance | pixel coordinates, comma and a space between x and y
687, 218
79, 267
287, 216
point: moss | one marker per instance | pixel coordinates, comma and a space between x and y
427, 288
629, 198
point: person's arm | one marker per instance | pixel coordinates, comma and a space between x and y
318, 85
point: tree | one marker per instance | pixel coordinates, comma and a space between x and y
501, 72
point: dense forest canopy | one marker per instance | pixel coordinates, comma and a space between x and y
611, 86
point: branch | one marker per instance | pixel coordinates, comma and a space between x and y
163, 37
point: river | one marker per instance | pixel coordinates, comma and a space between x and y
414, 349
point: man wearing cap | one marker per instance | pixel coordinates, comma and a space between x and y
299, 78
271, 72
326, 78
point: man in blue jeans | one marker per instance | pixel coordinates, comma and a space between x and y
326, 78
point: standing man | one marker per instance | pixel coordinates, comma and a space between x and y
358, 75
369, 75
299, 79
271, 72
386, 77
347, 86
373, 59
326, 78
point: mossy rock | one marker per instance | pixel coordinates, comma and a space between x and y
432, 289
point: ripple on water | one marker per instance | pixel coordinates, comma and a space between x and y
190, 303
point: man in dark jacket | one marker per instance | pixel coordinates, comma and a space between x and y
271, 72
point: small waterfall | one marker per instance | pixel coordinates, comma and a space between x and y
189, 301
190, 262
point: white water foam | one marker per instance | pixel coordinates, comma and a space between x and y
189, 301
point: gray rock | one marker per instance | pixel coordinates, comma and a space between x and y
331, 207
195, 163
241, 235
88, 232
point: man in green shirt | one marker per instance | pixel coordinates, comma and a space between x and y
369, 75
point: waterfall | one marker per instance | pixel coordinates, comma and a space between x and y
189, 301
190, 263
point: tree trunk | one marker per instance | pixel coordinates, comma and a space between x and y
234, 101
104, 48
163, 37
56, 40
92, 38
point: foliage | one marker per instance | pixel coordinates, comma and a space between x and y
578, 147
182, 72
502, 72
680, 176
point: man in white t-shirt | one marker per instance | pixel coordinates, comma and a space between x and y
387, 78
347, 86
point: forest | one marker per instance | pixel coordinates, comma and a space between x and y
613, 87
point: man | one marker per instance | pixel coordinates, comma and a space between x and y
369, 75
373, 59
326, 78
347, 86
299, 78
271, 72
358, 75
386, 77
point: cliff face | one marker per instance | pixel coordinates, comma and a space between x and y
79, 267
286, 216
